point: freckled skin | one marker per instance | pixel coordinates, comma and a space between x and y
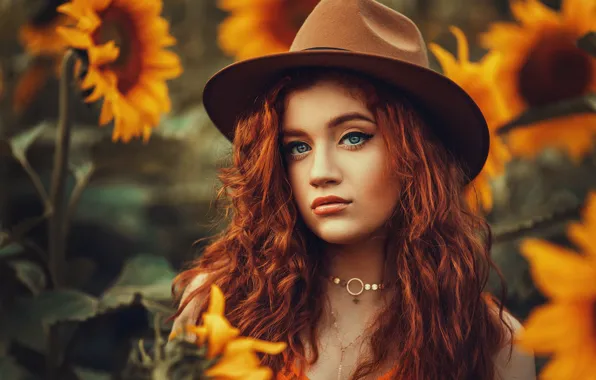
321, 162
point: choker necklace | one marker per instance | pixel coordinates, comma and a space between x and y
363, 286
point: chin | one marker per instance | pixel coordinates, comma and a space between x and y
341, 233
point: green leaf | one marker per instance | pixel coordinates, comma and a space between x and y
588, 43
89, 374
583, 104
26, 319
145, 275
30, 274
20, 143
11, 249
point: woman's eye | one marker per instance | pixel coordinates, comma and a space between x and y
297, 148
356, 138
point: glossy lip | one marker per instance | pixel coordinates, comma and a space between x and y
329, 208
326, 200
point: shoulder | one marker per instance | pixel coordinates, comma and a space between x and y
190, 313
513, 363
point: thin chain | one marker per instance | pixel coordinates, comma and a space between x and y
341, 344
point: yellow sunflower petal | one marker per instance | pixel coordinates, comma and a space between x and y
94, 79
234, 365
75, 38
165, 63
271, 348
239, 359
463, 51
573, 364
557, 327
220, 333
100, 5
158, 30
157, 88
95, 95
103, 54
89, 23
146, 104
446, 59
107, 114
559, 272
263, 373
532, 11
589, 213
216, 301
72, 10
147, 130
584, 238
232, 5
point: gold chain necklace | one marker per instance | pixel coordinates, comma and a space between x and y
341, 345
363, 286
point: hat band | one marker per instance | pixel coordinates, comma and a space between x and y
325, 48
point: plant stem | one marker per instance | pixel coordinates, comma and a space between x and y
56, 233
37, 184
75, 197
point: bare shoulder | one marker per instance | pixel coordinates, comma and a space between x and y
520, 364
191, 312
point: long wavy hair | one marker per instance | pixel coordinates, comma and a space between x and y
439, 324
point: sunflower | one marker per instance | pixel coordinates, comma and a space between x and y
41, 41
477, 78
238, 358
542, 65
259, 27
565, 327
124, 41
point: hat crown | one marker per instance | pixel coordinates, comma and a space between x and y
363, 26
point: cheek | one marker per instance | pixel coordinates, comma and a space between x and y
381, 188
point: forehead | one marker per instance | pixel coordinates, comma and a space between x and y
321, 102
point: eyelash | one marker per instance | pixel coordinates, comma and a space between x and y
365, 138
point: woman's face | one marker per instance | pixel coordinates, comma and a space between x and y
334, 148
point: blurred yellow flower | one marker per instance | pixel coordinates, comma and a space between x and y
128, 65
41, 41
477, 78
260, 27
541, 65
565, 327
238, 354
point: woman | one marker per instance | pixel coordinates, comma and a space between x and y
349, 238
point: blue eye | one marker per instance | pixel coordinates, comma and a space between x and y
299, 147
356, 138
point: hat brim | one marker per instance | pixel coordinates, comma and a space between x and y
453, 115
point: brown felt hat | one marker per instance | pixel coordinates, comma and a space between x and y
370, 38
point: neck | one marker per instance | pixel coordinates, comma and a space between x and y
364, 260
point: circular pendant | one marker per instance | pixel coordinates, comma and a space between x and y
361, 286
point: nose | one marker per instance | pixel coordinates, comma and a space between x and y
324, 169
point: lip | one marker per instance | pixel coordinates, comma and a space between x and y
329, 208
327, 200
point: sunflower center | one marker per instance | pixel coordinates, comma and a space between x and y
556, 69
119, 26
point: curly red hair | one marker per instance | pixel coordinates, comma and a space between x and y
439, 324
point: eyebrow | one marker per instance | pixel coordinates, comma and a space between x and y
338, 120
